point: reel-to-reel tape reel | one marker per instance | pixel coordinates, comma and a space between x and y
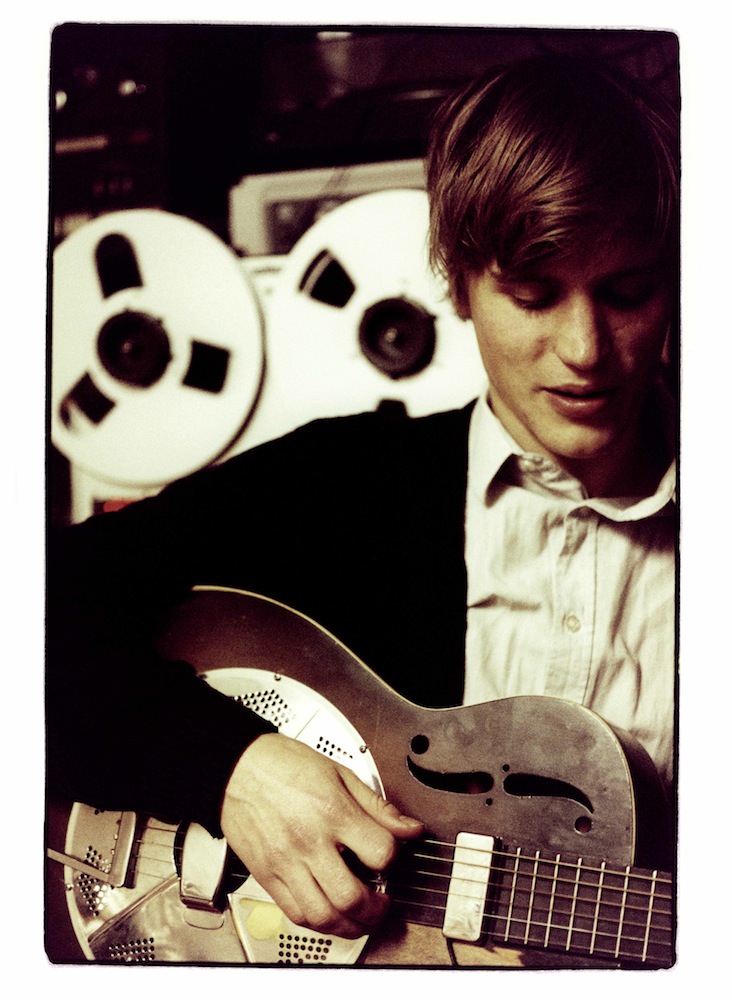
169, 353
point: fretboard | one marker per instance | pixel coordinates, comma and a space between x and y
559, 904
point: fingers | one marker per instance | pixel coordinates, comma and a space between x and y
372, 828
317, 889
289, 812
381, 810
328, 896
342, 906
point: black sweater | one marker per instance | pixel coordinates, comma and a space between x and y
357, 522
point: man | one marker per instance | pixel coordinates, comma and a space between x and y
524, 545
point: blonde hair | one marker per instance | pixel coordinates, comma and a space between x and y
526, 162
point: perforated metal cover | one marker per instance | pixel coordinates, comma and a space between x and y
145, 920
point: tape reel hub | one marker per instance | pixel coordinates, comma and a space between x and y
134, 348
398, 337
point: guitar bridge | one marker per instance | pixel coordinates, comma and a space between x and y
468, 889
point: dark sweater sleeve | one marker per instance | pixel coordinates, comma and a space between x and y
125, 728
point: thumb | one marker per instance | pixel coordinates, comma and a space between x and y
383, 812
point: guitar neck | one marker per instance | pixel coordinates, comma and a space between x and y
620, 915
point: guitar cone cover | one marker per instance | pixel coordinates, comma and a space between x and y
157, 348
358, 317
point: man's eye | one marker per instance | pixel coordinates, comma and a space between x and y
532, 295
629, 292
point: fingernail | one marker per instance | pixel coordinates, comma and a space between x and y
411, 821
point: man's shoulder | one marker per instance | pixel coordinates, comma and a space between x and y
361, 447
385, 423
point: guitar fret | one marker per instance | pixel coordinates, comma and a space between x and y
622, 912
552, 898
517, 862
598, 899
650, 911
573, 911
532, 899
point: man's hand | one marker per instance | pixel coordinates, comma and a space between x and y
288, 812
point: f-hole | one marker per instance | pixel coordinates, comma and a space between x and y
532, 785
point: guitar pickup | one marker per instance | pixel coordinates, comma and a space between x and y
468, 888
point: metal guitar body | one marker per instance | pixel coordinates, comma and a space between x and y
536, 771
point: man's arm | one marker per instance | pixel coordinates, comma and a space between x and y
128, 729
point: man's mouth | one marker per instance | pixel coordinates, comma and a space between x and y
579, 401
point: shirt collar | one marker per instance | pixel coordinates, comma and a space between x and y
490, 447
494, 459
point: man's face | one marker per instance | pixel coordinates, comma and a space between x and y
570, 348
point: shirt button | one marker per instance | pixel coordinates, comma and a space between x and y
572, 623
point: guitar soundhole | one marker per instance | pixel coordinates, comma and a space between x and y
533, 785
459, 782
420, 744
583, 824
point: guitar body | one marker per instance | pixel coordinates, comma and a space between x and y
532, 771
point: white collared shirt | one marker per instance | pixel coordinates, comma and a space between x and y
569, 596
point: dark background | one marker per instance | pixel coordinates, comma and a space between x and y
172, 116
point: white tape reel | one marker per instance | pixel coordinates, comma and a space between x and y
357, 317
157, 348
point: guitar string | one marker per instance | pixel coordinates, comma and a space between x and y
537, 896
628, 924
601, 905
526, 925
628, 886
523, 927
532, 922
660, 879
551, 863
606, 906
523, 937
628, 878
545, 878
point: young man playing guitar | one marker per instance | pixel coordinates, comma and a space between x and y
523, 546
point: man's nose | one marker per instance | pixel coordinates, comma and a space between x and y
581, 340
